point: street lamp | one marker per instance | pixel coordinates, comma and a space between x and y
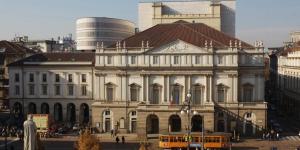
186, 108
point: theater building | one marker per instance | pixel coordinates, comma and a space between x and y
141, 82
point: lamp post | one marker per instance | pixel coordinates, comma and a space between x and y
187, 109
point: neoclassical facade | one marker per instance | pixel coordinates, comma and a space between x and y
59, 84
142, 82
139, 84
288, 81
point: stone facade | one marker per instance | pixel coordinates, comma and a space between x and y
288, 81
219, 15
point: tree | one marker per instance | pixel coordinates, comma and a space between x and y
87, 141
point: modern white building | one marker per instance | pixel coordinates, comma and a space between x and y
93, 30
219, 14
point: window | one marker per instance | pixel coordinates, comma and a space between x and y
134, 91
220, 60
197, 60
44, 77
176, 60
44, 90
17, 77
155, 59
17, 90
197, 96
31, 89
31, 77
70, 78
107, 113
109, 59
83, 90
57, 90
222, 93
70, 90
133, 113
83, 78
176, 94
248, 93
155, 94
133, 59
57, 78
248, 115
109, 92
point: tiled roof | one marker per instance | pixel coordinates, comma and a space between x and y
58, 57
194, 33
12, 48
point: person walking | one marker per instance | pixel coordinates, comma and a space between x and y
112, 133
117, 139
123, 140
277, 136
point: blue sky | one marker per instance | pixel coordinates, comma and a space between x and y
267, 20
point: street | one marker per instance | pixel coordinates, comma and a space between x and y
55, 144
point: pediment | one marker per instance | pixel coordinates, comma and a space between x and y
177, 47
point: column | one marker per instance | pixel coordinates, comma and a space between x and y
146, 88
235, 87
102, 87
256, 87
37, 84
123, 88
167, 89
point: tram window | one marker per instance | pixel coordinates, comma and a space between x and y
180, 139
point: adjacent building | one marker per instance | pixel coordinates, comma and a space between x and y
288, 81
217, 14
101, 30
59, 84
64, 44
9, 52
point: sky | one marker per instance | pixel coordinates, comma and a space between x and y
268, 20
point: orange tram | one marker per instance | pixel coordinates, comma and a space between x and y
213, 141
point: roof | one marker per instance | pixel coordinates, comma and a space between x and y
295, 47
13, 48
197, 34
57, 57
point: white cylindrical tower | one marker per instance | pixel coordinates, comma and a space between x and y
91, 30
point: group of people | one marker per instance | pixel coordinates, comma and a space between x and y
11, 132
118, 140
271, 135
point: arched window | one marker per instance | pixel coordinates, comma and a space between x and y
110, 95
197, 95
247, 92
176, 93
222, 93
134, 92
156, 94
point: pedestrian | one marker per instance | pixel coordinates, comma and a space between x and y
277, 136
299, 134
123, 139
117, 139
264, 136
112, 133
268, 136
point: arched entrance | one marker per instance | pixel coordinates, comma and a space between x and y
58, 115
84, 114
152, 124
44, 108
31, 108
249, 128
174, 123
17, 110
221, 126
71, 113
196, 123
